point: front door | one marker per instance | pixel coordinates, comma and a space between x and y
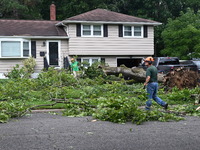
53, 54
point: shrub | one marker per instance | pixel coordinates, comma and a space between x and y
29, 65
16, 73
22, 72
54, 77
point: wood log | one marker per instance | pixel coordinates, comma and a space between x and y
135, 73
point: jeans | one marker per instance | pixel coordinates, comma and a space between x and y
152, 89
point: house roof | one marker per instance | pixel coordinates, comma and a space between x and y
30, 28
103, 15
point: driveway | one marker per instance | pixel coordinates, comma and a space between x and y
45, 131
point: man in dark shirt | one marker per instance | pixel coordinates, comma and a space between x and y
152, 84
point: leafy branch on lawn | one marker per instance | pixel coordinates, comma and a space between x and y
102, 98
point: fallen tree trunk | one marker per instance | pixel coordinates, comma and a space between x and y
135, 73
181, 77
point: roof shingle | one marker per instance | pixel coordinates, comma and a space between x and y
107, 16
30, 28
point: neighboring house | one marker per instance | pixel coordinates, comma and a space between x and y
97, 35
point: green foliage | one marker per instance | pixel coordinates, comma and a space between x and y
183, 96
119, 110
181, 36
24, 71
54, 77
94, 71
3, 118
16, 73
99, 97
20, 9
11, 109
193, 4
188, 109
29, 65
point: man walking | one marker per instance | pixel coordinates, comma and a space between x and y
152, 84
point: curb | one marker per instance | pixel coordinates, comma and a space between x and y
46, 110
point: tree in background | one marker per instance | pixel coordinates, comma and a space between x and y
193, 4
69, 8
20, 9
182, 36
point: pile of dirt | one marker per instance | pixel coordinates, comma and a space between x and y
182, 78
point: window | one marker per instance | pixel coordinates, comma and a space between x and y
133, 31
89, 61
92, 30
87, 30
138, 31
127, 31
86, 62
25, 49
97, 30
94, 60
14, 49
10, 49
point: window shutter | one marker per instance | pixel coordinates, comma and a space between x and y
105, 30
120, 30
145, 31
78, 29
66, 63
79, 60
46, 65
33, 49
103, 60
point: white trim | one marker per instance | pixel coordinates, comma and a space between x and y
59, 51
22, 48
37, 37
21, 40
92, 30
109, 22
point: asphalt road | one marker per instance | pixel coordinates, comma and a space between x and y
44, 131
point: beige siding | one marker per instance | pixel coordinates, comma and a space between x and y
111, 61
39, 59
64, 50
7, 64
112, 45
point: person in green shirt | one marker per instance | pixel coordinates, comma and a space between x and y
74, 67
152, 84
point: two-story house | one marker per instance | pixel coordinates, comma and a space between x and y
97, 35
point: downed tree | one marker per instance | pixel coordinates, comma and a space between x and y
181, 77
135, 73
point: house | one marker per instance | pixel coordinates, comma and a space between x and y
97, 35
